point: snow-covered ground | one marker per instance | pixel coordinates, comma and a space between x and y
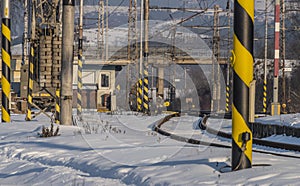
123, 150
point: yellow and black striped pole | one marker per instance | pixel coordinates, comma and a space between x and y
6, 57
145, 64
57, 106
30, 84
265, 97
242, 77
79, 73
227, 97
145, 90
139, 94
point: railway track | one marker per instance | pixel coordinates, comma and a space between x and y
203, 125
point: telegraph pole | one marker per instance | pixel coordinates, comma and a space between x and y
100, 35
266, 60
215, 106
132, 49
79, 72
25, 35
282, 51
140, 81
66, 94
228, 64
106, 32
6, 58
275, 110
31, 65
242, 79
146, 54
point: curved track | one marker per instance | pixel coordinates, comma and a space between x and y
203, 125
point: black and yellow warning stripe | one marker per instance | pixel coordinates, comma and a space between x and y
146, 90
139, 94
30, 83
265, 97
6, 58
242, 77
79, 84
227, 98
57, 106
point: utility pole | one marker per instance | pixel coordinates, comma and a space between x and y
216, 55
228, 63
106, 32
79, 72
265, 60
31, 65
25, 35
100, 35
242, 80
146, 54
66, 94
6, 58
282, 52
140, 81
275, 110
132, 47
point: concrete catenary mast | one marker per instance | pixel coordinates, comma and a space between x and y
66, 94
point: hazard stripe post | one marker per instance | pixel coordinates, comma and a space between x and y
6, 57
242, 77
265, 97
79, 73
146, 54
227, 97
57, 106
145, 91
139, 94
30, 84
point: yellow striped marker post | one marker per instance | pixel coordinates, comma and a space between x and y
227, 97
79, 73
6, 57
265, 97
30, 84
145, 64
242, 77
57, 106
146, 90
139, 94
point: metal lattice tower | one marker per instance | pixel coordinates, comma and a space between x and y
132, 48
45, 51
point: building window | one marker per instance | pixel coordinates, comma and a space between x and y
104, 80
